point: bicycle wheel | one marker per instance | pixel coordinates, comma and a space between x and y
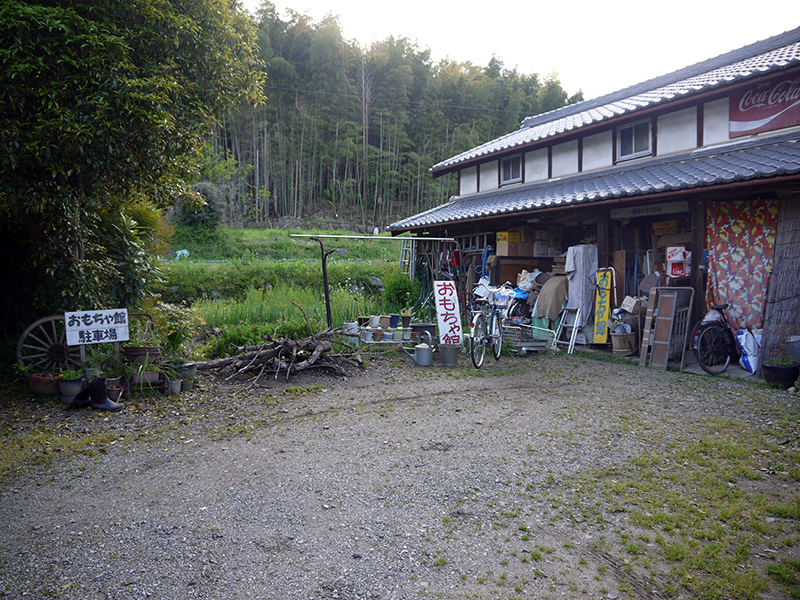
713, 348
519, 308
477, 340
496, 329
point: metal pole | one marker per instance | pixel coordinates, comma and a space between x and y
325, 281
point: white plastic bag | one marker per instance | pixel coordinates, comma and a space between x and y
748, 350
482, 289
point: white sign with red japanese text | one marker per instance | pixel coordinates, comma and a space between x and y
96, 326
448, 312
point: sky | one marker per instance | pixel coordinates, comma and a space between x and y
594, 46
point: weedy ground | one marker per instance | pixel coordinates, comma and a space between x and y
540, 476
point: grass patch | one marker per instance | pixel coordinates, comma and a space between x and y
694, 501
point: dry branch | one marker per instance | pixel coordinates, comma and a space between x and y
284, 355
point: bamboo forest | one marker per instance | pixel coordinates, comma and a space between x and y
347, 134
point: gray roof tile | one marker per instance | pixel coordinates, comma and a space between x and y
773, 54
747, 160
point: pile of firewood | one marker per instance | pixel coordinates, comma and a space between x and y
287, 357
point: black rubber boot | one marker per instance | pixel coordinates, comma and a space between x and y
83, 399
100, 400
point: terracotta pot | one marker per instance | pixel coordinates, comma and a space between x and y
43, 384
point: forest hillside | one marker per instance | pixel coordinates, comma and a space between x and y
347, 134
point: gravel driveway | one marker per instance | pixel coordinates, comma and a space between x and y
396, 482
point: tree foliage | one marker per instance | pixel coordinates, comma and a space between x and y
105, 105
347, 134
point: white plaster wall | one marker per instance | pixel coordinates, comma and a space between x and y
565, 158
597, 151
536, 165
677, 131
489, 176
469, 181
716, 117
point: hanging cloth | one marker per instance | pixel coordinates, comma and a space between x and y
580, 267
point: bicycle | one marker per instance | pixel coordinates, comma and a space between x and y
714, 342
486, 328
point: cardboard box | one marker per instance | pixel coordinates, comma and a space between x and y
509, 269
541, 235
525, 249
526, 234
507, 249
541, 249
631, 304
511, 237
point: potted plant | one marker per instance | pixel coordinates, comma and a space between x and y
780, 369
70, 382
140, 350
405, 317
40, 383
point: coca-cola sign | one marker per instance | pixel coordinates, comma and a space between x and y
767, 105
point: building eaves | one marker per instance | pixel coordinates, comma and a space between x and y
738, 162
776, 53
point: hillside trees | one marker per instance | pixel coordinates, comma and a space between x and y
105, 105
347, 134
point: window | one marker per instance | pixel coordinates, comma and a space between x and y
511, 169
633, 140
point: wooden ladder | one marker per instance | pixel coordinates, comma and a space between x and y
648, 324
408, 257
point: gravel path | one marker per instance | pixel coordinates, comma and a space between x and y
396, 482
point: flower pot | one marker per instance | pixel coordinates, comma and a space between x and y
394, 320
184, 371
43, 384
377, 335
175, 386
141, 354
114, 391
70, 387
363, 321
375, 321
405, 321
385, 321
187, 385
780, 376
145, 378
113, 381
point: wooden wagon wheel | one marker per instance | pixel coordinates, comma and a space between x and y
43, 346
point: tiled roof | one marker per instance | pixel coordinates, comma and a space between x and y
747, 160
768, 55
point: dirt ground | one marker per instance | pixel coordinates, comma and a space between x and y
397, 481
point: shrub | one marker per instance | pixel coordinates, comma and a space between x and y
399, 291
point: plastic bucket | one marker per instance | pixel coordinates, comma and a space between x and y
449, 354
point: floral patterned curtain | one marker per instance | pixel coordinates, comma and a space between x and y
740, 237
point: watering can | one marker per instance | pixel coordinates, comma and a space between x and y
422, 353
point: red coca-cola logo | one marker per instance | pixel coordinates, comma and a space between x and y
770, 104
784, 92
